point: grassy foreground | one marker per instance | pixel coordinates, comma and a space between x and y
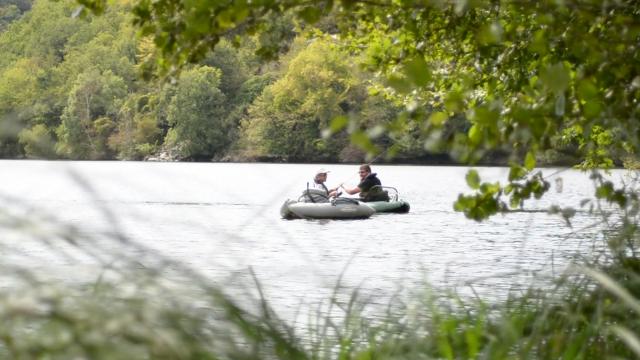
146, 307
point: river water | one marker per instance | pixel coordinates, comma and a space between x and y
222, 219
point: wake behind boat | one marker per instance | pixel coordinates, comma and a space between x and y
315, 204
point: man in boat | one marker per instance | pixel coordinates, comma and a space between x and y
318, 183
370, 187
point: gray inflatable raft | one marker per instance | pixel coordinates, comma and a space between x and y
314, 204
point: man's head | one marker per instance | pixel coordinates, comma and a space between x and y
364, 171
321, 175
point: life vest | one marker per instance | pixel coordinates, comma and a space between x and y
375, 191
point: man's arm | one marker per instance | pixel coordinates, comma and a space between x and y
353, 191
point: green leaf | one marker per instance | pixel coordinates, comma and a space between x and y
417, 71
516, 172
484, 115
489, 188
475, 134
604, 191
555, 77
530, 160
490, 34
361, 139
539, 43
587, 90
438, 119
454, 101
338, 123
463, 203
310, 14
399, 83
473, 179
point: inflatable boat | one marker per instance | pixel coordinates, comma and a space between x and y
393, 205
314, 204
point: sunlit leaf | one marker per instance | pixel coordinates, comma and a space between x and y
530, 160
476, 134
338, 123
473, 179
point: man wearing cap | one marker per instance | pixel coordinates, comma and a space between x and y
319, 180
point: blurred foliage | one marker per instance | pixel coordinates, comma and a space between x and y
143, 305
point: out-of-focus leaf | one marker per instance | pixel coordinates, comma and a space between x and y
473, 179
587, 90
539, 43
438, 119
417, 71
361, 139
454, 101
555, 77
310, 14
338, 123
399, 83
475, 134
530, 160
484, 115
490, 34
516, 172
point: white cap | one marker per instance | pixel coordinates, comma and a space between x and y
322, 171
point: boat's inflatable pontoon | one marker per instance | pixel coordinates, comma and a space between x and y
315, 204
393, 205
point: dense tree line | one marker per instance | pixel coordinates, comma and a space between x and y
87, 87
81, 87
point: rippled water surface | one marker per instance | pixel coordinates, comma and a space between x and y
223, 219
